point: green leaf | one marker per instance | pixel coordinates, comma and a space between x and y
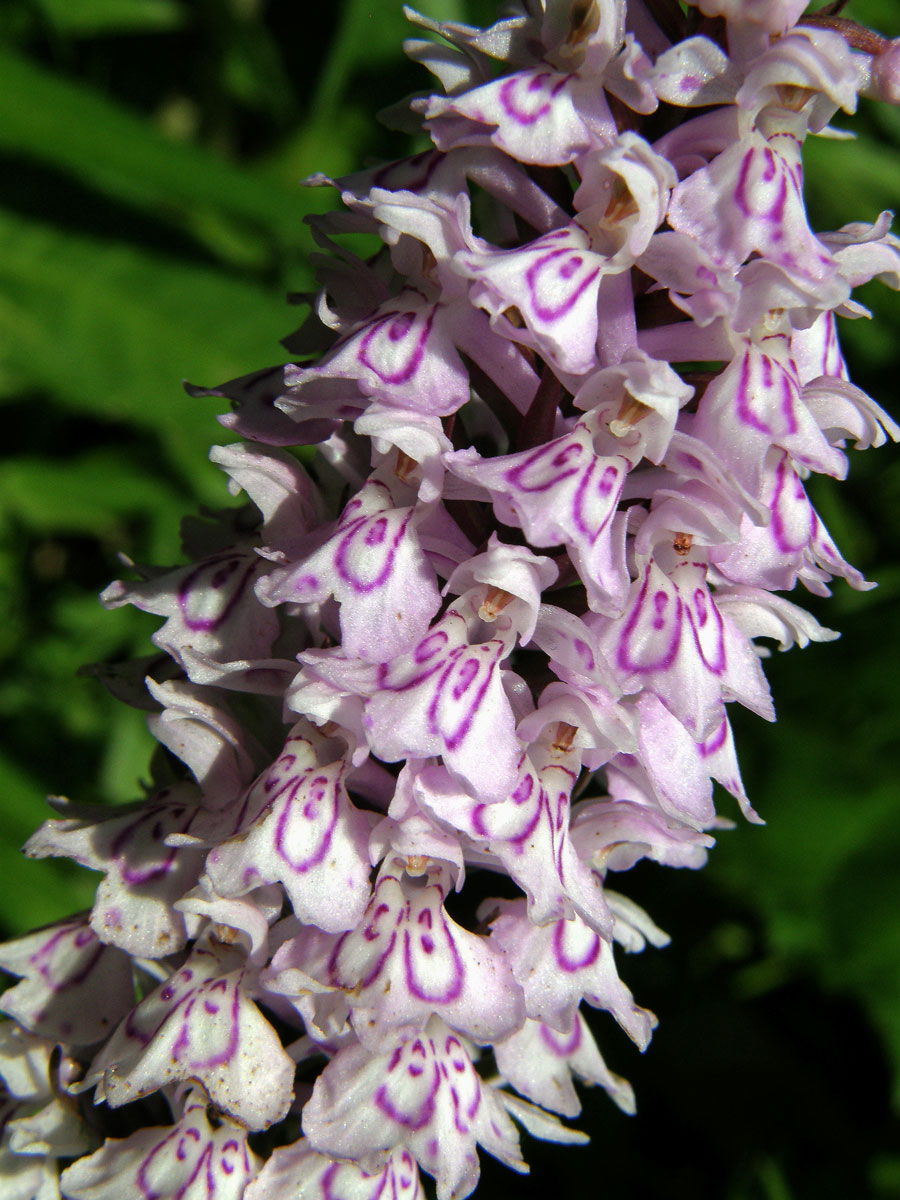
109, 329
86, 495
92, 17
861, 914
74, 128
877, 14
822, 874
869, 173
365, 46
767, 1181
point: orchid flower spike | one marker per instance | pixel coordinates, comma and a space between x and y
484, 641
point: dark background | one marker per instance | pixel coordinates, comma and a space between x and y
150, 226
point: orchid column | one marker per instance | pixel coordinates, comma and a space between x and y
563, 419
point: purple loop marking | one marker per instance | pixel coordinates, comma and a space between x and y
708, 638
378, 347
570, 958
715, 742
562, 1045
442, 715
219, 575
433, 990
542, 279
162, 821
526, 103
639, 648
147, 1188
356, 561
419, 1113
590, 517
311, 836
45, 957
560, 454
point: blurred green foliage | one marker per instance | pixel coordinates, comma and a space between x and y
151, 222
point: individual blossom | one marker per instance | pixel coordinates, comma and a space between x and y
424, 1095
170, 1161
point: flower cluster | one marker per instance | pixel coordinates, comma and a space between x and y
564, 416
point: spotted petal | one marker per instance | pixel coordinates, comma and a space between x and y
560, 964
528, 833
539, 1062
192, 1157
408, 959
374, 567
530, 114
209, 607
305, 834
562, 494
133, 908
425, 1096
403, 355
673, 640
298, 1171
74, 988
550, 286
444, 697
749, 200
200, 1024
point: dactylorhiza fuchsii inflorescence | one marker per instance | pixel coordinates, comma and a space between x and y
563, 419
